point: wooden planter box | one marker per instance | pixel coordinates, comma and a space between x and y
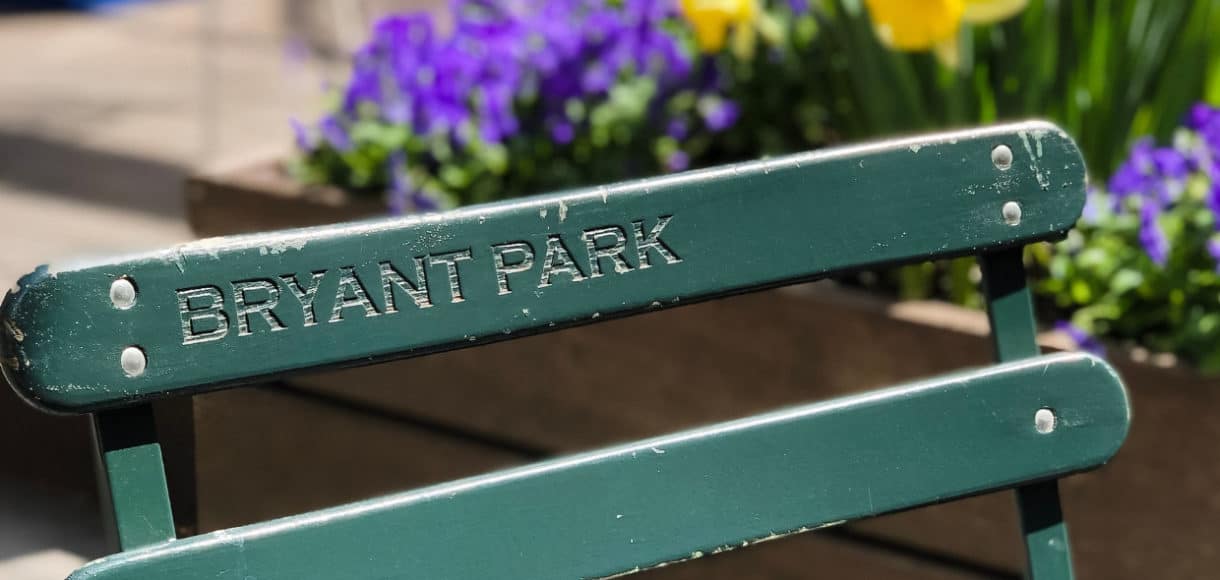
321, 439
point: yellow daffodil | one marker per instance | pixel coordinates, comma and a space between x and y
917, 25
988, 11
711, 20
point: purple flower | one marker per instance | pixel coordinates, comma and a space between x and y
798, 7
424, 202
562, 131
1151, 236
335, 134
1083, 340
1213, 248
401, 188
403, 197
1202, 116
1205, 120
596, 79
515, 66
300, 134
677, 129
1150, 171
553, 49
1170, 163
677, 161
720, 114
1094, 205
1213, 202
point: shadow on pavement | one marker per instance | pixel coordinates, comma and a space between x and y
69, 170
48, 494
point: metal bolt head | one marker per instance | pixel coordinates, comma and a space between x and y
122, 293
1044, 421
1012, 213
133, 361
1001, 156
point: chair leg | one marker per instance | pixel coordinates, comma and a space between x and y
134, 493
1013, 330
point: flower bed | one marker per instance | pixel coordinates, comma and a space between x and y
1143, 265
521, 98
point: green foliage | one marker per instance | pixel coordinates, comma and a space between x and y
1108, 71
1104, 280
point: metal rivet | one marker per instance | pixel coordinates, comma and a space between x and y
1011, 212
1001, 156
133, 361
1044, 421
122, 293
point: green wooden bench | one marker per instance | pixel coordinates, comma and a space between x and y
110, 337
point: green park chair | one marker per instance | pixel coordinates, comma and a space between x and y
107, 338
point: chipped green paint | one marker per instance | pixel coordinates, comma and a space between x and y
216, 312
681, 496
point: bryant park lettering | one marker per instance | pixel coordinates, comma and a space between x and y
331, 296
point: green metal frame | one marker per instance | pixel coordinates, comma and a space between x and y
107, 338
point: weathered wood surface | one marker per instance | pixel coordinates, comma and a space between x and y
357, 293
678, 497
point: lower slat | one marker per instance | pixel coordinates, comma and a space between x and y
691, 494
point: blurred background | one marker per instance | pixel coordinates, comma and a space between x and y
128, 125
105, 109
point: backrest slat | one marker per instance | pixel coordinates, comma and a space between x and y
216, 313
682, 496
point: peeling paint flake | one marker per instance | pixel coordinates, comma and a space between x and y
1042, 177
1038, 135
563, 211
281, 246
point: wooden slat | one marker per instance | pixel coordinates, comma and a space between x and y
595, 254
691, 494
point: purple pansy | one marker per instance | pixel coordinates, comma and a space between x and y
677, 128
335, 133
1156, 245
300, 134
1213, 248
1094, 204
508, 63
720, 114
400, 183
1201, 116
677, 161
1213, 201
1150, 171
562, 131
